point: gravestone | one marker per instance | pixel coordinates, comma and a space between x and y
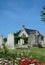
44, 39
31, 40
10, 41
1, 41
21, 41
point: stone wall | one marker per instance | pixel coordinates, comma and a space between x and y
31, 40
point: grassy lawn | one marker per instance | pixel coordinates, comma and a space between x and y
36, 53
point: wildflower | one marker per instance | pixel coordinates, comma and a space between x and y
40, 63
34, 61
0, 60
18, 58
29, 61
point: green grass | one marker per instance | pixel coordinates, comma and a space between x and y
37, 53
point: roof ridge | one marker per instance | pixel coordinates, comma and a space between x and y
30, 29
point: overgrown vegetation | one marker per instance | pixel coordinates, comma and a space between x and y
35, 52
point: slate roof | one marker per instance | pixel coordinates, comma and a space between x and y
29, 31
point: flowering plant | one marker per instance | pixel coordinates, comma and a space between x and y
30, 61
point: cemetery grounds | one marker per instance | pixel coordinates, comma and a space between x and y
36, 53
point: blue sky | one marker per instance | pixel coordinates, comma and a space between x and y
15, 13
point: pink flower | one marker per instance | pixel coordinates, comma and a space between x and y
24, 59
40, 63
5, 63
29, 61
34, 61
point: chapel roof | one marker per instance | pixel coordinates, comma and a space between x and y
29, 31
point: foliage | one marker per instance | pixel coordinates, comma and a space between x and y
35, 52
30, 61
5, 39
5, 50
43, 14
17, 33
25, 40
16, 38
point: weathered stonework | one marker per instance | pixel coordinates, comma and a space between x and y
10, 41
1, 41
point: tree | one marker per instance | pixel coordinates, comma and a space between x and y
43, 14
5, 39
17, 33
